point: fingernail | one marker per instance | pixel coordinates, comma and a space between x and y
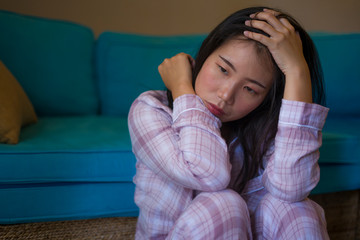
247, 23
252, 15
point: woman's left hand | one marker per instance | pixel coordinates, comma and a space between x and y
285, 46
284, 42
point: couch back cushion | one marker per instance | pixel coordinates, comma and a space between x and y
127, 66
339, 55
53, 62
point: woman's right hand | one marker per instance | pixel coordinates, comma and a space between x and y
176, 73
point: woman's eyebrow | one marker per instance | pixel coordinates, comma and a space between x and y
228, 63
256, 82
233, 68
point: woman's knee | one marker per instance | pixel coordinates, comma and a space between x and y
226, 199
214, 215
271, 206
276, 219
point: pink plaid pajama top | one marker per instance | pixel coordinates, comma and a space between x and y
181, 153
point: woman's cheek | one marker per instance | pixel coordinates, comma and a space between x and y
212, 79
251, 102
205, 81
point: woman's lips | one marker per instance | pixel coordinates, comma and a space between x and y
214, 109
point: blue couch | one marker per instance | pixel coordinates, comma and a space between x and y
76, 161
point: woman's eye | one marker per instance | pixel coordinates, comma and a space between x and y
250, 90
223, 70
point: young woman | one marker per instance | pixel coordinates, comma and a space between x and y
231, 150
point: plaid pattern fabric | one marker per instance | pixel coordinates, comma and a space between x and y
184, 168
276, 219
293, 171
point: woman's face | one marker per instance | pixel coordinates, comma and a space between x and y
234, 80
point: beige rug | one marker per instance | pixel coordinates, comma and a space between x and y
103, 228
342, 211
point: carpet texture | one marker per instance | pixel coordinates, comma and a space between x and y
102, 228
342, 211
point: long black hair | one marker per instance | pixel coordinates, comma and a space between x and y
257, 130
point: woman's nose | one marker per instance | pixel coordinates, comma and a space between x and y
226, 93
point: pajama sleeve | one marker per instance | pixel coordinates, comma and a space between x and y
292, 170
183, 145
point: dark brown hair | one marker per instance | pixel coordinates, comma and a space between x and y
257, 130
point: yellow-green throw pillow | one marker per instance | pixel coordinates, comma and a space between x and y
16, 109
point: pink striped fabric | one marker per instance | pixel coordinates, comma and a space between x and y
185, 172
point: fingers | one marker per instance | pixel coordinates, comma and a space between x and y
192, 61
257, 37
282, 20
176, 74
268, 21
287, 24
275, 13
176, 70
265, 21
180, 57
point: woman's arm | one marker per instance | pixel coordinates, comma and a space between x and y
292, 170
183, 145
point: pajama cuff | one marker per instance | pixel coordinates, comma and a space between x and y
302, 114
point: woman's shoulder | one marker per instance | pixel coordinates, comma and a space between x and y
151, 100
156, 96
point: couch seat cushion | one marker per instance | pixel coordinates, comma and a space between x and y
71, 149
68, 168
